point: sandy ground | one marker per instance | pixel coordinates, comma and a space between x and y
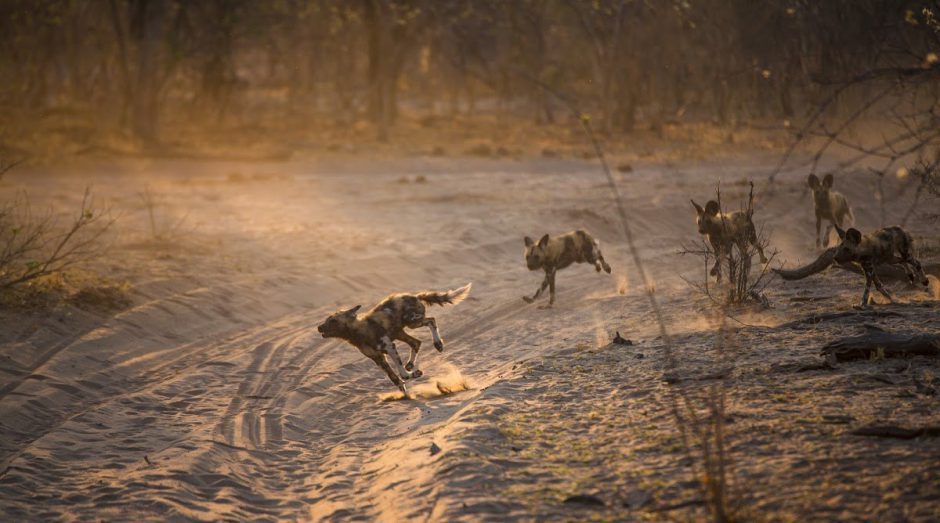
213, 397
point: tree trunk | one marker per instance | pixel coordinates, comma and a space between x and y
376, 16
148, 19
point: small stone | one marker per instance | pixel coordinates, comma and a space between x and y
584, 499
434, 448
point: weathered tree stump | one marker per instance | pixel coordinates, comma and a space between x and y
820, 264
881, 343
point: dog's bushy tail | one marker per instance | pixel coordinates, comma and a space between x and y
443, 298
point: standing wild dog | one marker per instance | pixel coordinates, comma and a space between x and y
725, 230
888, 246
554, 254
829, 205
372, 333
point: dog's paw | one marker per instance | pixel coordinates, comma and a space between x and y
546, 307
527, 299
439, 345
409, 366
417, 373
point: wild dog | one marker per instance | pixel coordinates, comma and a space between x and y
888, 246
554, 254
725, 230
373, 332
829, 205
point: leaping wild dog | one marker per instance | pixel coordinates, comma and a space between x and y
373, 332
725, 230
554, 254
829, 205
888, 246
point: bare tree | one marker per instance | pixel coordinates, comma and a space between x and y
35, 245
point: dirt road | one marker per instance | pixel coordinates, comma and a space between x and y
213, 397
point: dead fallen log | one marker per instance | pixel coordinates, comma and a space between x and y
883, 344
893, 431
816, 319
825, 260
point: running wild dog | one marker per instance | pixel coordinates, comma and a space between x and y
725, 230
373, 332
829, 205
888, 246
554, 254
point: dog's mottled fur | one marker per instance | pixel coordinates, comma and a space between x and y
373, 332
554, 254
725, 230
891, 245
829, 205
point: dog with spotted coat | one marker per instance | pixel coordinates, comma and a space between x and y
553, 254
374, 333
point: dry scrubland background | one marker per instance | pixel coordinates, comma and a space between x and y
255, 165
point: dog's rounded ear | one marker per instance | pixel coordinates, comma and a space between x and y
827, 181
711, 208
698, 208
529, 241
353, 310
812, 181
853, 235
543, 241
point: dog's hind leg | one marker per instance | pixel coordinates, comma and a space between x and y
755, 241
415, 345
909, 259
881, 287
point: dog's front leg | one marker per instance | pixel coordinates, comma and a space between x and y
818, 225
825, 242
716, 270
541, 289
392, 354
868, 279
381, 362
551, 288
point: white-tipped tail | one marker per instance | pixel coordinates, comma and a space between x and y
443, 298
458, 295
